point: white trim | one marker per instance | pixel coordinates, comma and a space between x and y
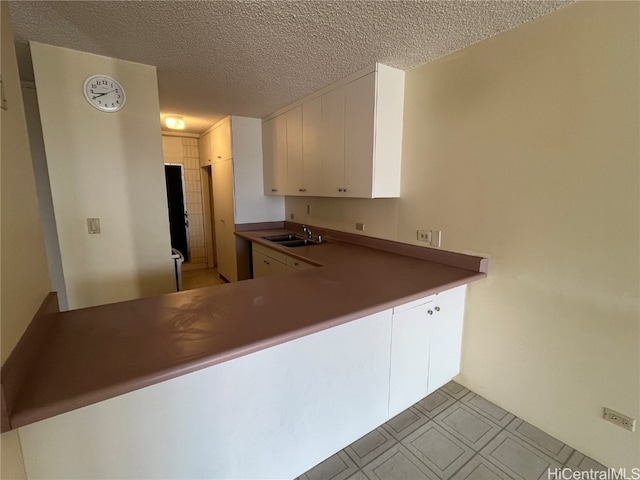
180, 134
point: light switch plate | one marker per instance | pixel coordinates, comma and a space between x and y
93, 225
360, 226
436, 237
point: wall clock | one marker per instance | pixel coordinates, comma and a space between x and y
104, 93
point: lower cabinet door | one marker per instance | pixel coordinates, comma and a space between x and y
410, 336
446, 336
264, 266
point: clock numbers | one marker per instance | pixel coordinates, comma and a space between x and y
104, 93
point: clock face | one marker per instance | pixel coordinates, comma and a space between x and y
104, 93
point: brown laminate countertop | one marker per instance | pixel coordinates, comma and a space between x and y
97, 353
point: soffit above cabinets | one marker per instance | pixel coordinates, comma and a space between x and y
221, 57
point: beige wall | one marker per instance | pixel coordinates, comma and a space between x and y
25, 278
24, 281
105, 165
525, 148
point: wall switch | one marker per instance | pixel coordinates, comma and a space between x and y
620, 420
93, 225
291, 216
424, 236
436, 237
360, 226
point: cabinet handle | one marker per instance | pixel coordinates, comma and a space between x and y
274, 189
344, 189
266, 262
339, 189
429, 312
295, 264
437, 309
302, 189
219, 156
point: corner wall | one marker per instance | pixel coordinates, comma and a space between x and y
105, 165
525, 148
24, 278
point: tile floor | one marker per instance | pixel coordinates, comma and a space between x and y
205, 277
452, 434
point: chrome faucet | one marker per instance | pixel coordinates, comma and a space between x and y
307, 231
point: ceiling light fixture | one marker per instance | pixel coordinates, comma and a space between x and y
174, 122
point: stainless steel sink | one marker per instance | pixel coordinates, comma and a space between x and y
292, 240
282, 238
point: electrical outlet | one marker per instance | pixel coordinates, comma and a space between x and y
292, 216
424, 236
360, 226
620, 420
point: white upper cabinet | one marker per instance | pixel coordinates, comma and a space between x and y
332, 142
204, 149
351, 139
274, 152
295, 180
312, 147
221, 141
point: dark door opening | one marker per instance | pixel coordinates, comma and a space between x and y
178, 217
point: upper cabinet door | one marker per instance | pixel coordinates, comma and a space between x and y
221, 141
274, 145
332, 142
295, 178
204, 149
359, 136
311, 147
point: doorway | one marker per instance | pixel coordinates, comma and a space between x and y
176, 202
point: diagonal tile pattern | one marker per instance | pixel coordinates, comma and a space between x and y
453, 434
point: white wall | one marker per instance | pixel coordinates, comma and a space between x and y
525, 148
105, 165
23, 272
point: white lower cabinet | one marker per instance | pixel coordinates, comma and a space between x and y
265, 266
296, 264
291, 405
410, 335
425, 347
446, 337
267, 261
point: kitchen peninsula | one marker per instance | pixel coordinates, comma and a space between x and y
291, 366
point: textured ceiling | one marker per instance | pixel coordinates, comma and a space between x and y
252, 57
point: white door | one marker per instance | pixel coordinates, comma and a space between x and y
409, 358
295, 182
359, 137
446, 337
311, 147
332, 142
